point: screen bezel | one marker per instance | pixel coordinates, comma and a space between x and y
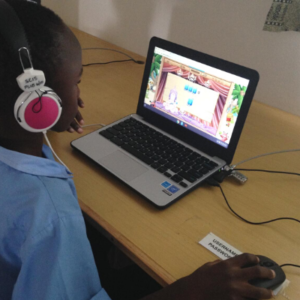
189, 137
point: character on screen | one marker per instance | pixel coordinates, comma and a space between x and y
192, 77
207, 83
173, 95
179, 72
171, 103
233, 104
224, 136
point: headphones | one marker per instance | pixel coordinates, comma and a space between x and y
38, 108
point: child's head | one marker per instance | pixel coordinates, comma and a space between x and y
54, 50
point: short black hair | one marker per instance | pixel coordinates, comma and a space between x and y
44, 31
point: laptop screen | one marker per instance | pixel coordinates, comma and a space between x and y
201, 98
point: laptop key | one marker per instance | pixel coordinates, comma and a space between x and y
204, 170
164, 155
175, 169
187, 176
113, 131
194, 156
148, 153
213, 164
167, 174
125, 139
182, 158
178, 163
176, 155
199, 161
162, 169
204, 159
176, 178
117, 141
162, 161
197, 166
131, 143
207, 166
183, 184
137, 146
169, 165
195, 174
106, 134
155, 157
124, 124
117, 127
189, 162
185, 167
155, 165
137, 154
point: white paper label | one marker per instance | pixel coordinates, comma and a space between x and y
219, 247
31, 80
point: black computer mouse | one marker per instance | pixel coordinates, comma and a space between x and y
269, 283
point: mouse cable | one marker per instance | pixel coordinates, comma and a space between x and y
213, 182
265, 154
289, 265
131, 58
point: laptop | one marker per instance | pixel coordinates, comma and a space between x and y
190, 114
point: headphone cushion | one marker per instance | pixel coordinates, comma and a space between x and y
37, 115
40, 115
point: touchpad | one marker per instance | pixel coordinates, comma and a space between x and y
122, 165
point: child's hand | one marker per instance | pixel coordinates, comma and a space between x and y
78, 120
220, 280
229, 279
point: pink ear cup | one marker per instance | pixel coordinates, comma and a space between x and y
43, 114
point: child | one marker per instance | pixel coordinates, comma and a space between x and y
44, 251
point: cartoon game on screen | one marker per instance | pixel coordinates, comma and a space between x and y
232, 112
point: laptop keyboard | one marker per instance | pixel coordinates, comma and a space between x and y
160, 152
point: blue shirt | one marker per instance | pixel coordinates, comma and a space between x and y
44, 250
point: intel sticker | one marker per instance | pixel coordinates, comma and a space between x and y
166, 184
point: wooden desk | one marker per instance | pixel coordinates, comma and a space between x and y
165, 243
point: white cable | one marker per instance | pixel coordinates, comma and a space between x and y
270, 153
103, 125
48, 142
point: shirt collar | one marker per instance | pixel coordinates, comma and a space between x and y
34, 165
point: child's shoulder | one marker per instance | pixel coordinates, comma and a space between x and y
27, 196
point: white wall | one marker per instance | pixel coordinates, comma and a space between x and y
230, 29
